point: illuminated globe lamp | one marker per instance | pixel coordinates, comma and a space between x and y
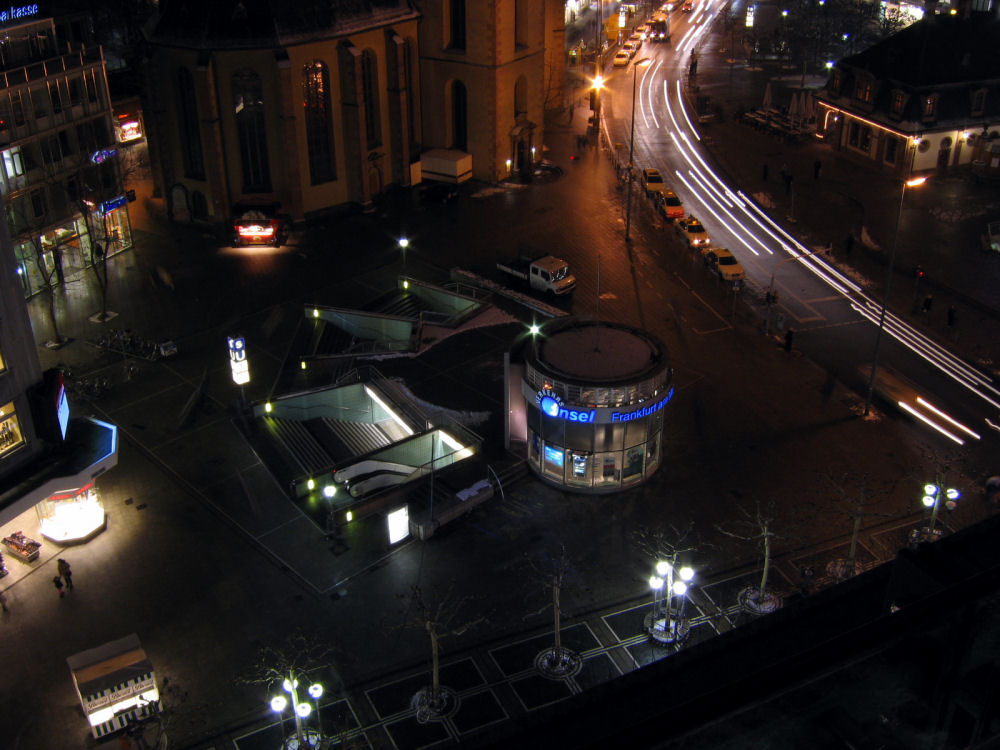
933, 495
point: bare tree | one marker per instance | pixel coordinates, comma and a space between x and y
552, 572
47, 263
437, 617
757, 527
866, 492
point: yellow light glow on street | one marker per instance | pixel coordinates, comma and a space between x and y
598, 82
916, 181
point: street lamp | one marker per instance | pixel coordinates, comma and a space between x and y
631, 146
671, 586
278, 704
316, 692
912, 182
403, 243
932, 500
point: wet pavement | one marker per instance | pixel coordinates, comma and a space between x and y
206, 559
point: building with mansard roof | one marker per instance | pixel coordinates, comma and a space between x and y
926, 98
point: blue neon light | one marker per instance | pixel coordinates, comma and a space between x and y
552, 406
645, 411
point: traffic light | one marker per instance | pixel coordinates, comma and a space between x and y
593, 100
918, 271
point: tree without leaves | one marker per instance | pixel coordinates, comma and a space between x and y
47, 263
759, 529
866, 491
550, 572
436, 617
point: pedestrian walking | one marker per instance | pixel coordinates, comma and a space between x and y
928, 303
789, 335
952, 314
817, 168
849, 243
788, 183
66, 572
763, 172
3, 601
57, 582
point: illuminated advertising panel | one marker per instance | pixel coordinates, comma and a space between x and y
552, 406
238, 362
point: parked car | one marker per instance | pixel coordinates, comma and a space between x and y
630, 47
723, 264
688, 6
670, 206
636, 41
642, 31
652, 182
621, 59
692, 232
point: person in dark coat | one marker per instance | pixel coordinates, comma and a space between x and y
57, 582
66, 573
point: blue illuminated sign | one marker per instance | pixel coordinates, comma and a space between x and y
553, 406
112, 204
645, 411
102, 155
16, 12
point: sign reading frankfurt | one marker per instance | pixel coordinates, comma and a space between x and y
644, 411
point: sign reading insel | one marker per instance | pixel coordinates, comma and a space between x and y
553, 406
238, 360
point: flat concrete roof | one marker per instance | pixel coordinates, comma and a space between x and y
588, 351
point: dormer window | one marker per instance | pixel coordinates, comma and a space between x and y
863, 91
928, 107
978, 102
836, 82
897, 100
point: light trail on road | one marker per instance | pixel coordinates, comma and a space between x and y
738, 214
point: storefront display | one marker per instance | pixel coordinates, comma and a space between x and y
71, 516
593, 403
22, 547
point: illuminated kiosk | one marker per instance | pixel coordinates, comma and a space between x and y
593, 398
116, 685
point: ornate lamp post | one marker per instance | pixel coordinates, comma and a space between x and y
933, 494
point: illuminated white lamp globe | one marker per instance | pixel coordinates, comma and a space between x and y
686, 573
290, 685
930, 489
663, 567
679, 588
534, 329
278, 703
928, 501
329, 490
316, 690
655, 583
403, 243
303, 710
952, 494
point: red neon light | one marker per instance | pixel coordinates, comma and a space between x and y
71, 493
255, 230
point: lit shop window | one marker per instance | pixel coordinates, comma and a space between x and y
3, 365
13, 163
71, 516
10, 429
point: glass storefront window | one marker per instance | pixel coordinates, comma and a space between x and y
71, 517
633, 464
553, 461
610, 468
2, 365
11, 436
